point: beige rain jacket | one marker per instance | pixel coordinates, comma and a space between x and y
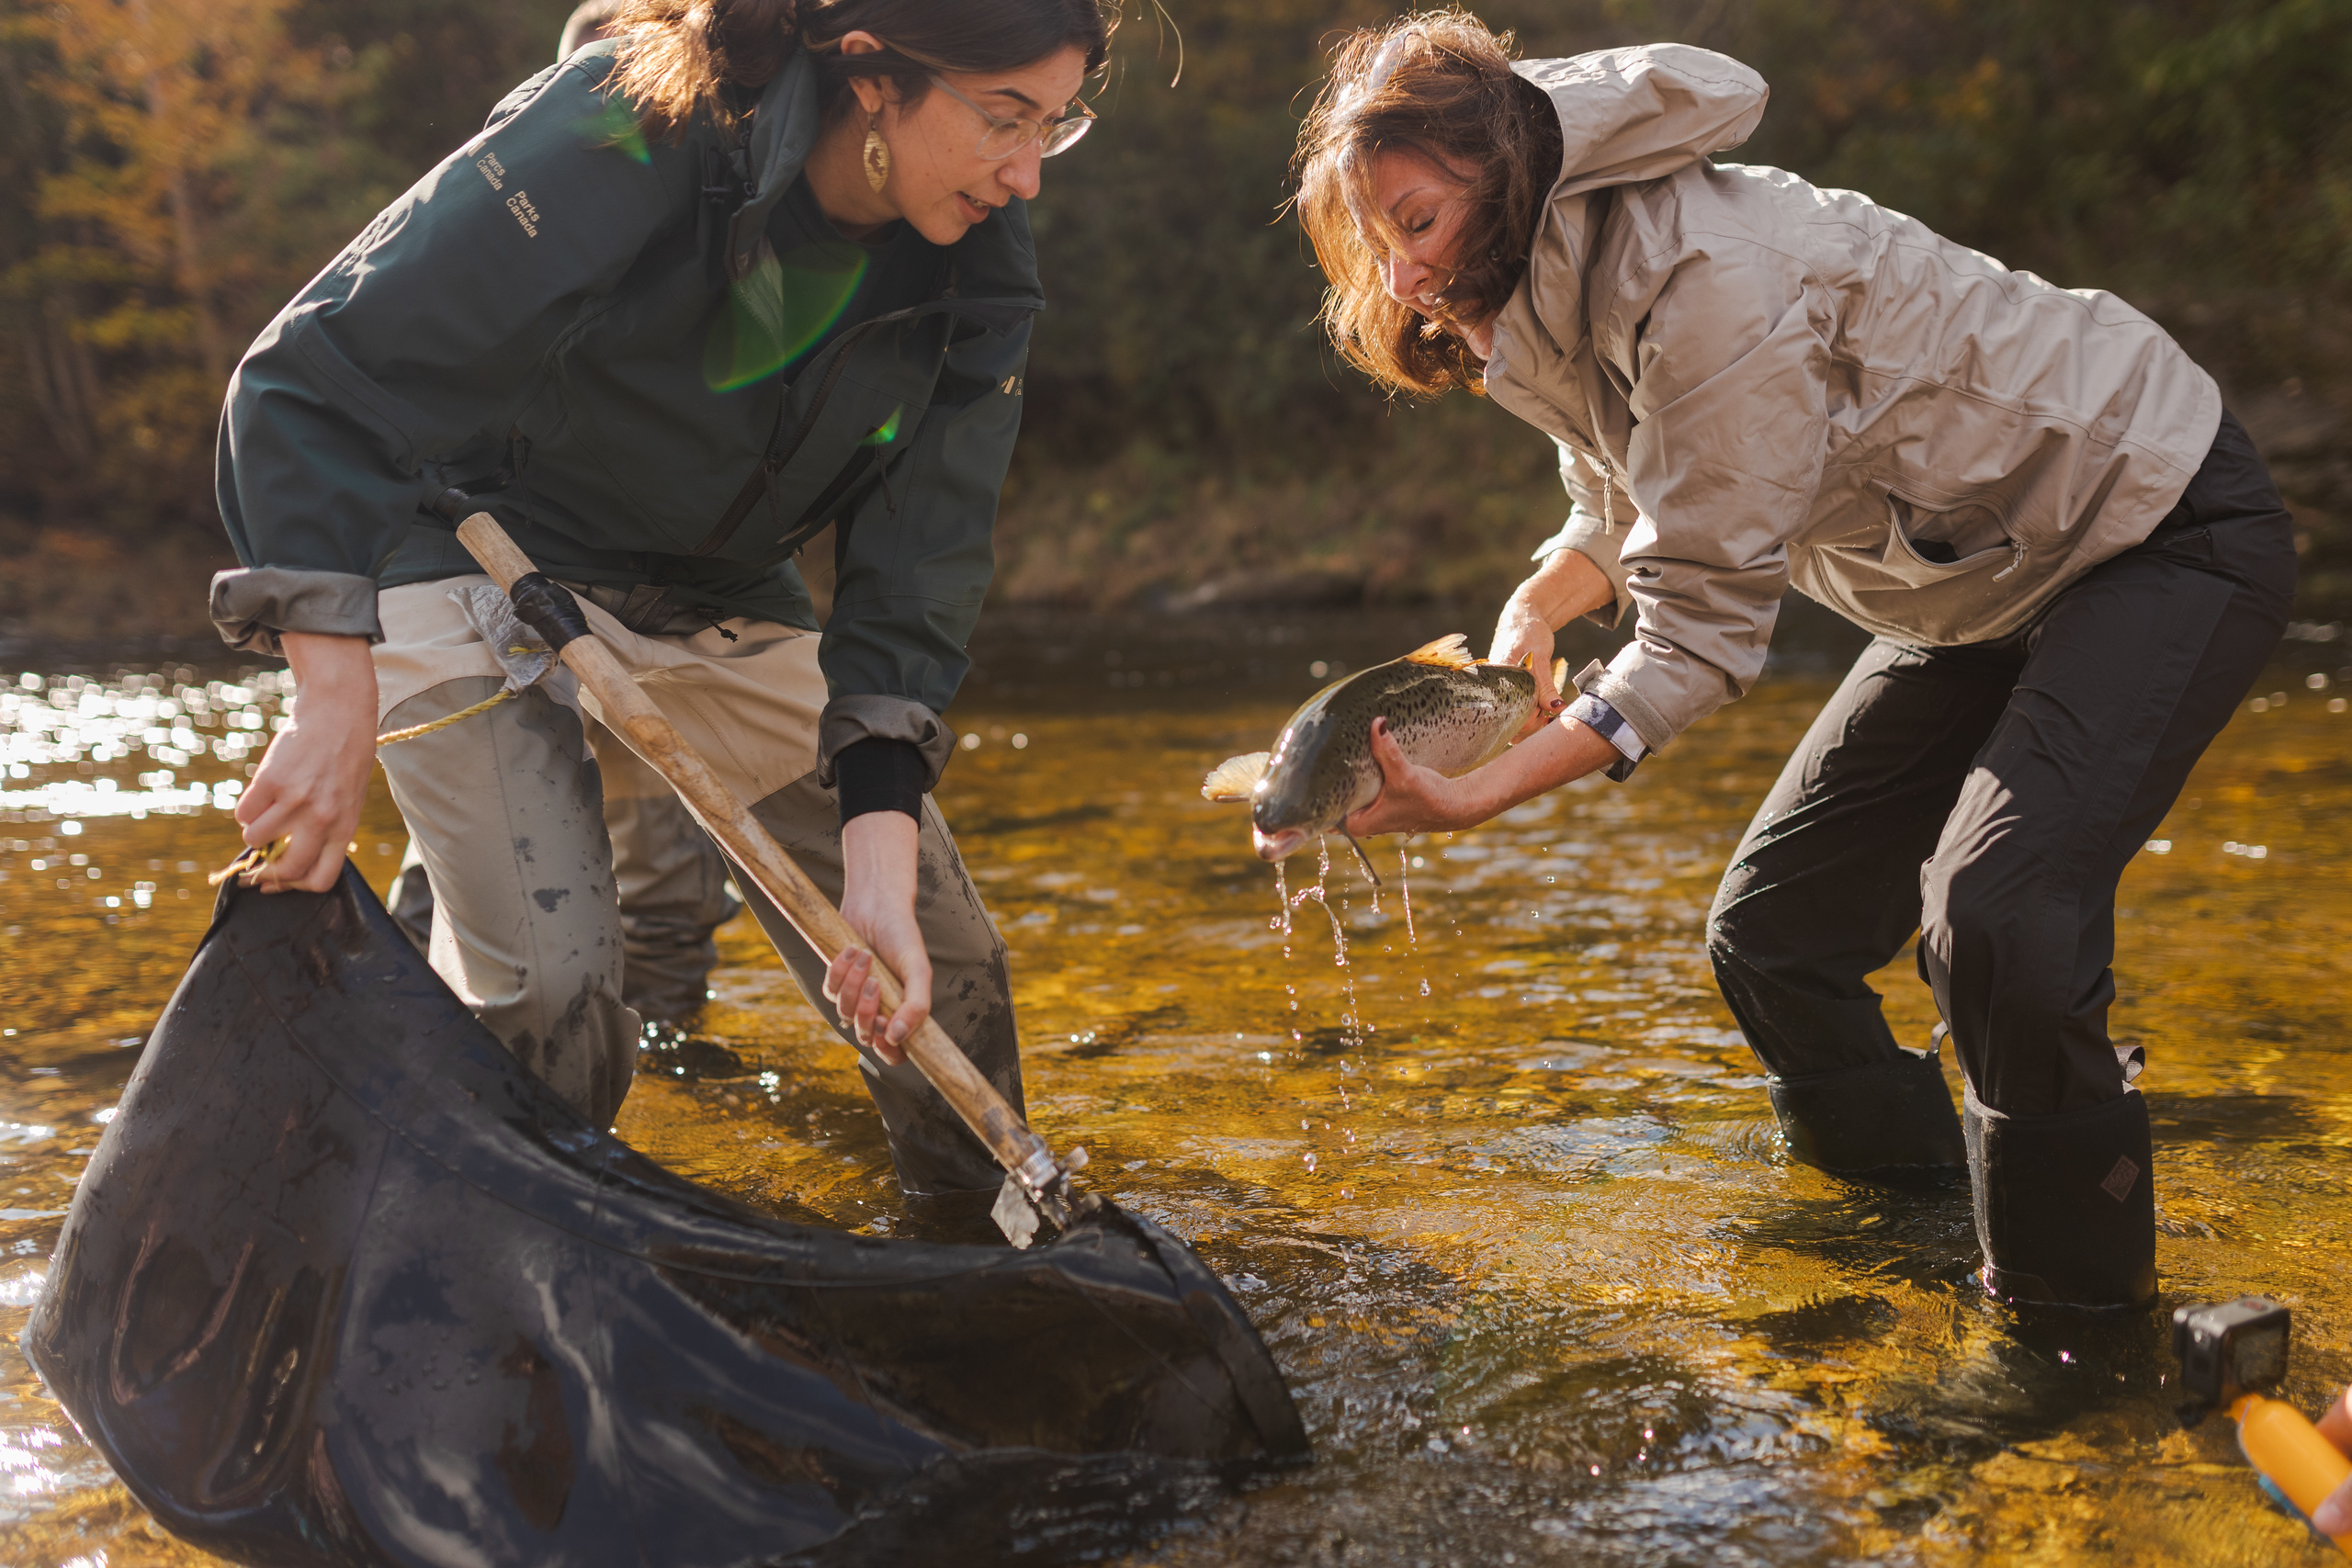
1797, 386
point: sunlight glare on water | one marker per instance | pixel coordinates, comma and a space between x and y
1501, 1189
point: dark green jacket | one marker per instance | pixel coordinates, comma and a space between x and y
541, 322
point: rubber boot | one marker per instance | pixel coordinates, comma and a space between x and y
2065, 1204
1889, 1118
962, 1218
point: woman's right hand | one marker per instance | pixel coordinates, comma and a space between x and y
313, 779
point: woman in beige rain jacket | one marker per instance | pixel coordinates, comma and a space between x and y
2071, 559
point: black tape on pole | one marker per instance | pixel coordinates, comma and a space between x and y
547, 607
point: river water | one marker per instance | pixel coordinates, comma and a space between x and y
1502, 1191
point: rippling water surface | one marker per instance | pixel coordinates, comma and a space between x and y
1501, 1191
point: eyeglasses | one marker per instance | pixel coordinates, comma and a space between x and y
1005, 136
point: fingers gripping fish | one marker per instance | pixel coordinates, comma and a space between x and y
1446, 709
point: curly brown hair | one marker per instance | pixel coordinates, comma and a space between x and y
679, 57
1437, 84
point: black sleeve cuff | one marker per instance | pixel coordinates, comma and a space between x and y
880, 776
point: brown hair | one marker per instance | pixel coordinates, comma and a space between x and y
679, 57
1437, 84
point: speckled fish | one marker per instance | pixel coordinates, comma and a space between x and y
1447, 711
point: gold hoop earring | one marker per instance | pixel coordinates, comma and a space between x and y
876, 157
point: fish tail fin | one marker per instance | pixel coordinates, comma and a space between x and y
1362, 858
1451, 651
1234, 778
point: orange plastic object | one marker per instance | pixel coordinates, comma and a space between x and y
2287, 1448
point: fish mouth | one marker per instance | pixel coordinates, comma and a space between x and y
1277, 845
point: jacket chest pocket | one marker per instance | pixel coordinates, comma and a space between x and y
1934, 541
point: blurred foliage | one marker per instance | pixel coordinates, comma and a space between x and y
170, 170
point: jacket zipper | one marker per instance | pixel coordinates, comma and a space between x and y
820, 510
2017, 559
778, 456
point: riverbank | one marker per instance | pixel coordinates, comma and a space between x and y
1435, 506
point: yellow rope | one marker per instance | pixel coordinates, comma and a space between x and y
410, 733
248, 865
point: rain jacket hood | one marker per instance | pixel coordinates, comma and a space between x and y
1756, 384
554, 321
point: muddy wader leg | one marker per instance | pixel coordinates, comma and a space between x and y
671, 878
1824, 890
2132, 673
410, 903
507, 815
935, 1155
673, 883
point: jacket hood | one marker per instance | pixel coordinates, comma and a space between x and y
1626, 115
783, 133
1643, 113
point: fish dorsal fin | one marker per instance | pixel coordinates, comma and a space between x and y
1527, 661
1451, 651
1234, 778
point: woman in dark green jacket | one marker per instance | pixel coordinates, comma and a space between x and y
746, 270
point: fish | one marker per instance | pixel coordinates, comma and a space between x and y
1448, 710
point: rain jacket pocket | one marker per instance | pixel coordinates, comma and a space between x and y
1929, 542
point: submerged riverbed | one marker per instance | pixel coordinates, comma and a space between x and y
1501, 1191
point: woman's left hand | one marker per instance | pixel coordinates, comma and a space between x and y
878, 861
1412, 799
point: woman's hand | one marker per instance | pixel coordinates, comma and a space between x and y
313, 779
1566, 585
2334, 1517
1522, 634
1414, 799
878, 859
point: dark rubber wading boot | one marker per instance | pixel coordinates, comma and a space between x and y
2066, 1204
1889, 1119
967, 1218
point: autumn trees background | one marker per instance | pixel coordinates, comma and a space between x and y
171, 170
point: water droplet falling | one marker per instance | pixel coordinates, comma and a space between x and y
1405, 893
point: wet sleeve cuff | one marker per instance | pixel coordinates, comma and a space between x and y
879, 775
1610, 725
252, 607
868, 717
1650, 727
1585, 534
